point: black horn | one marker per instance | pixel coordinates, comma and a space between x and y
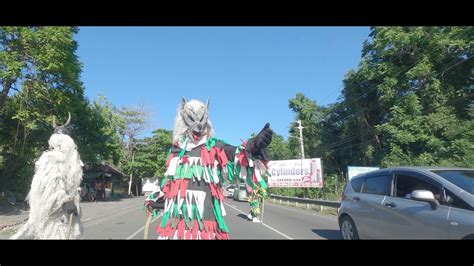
64, 128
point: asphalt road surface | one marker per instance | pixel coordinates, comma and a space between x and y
125, 219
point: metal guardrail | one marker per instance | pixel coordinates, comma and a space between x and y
328, 203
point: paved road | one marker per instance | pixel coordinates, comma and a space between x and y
125, 219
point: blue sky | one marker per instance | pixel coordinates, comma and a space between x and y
250, 73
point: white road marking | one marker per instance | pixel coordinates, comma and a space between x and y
310, 213
267, 226
143, 227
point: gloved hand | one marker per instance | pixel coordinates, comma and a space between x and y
156, 205
70, 207
257, 146
263, 139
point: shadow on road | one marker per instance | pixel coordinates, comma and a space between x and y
327, 233
243, 216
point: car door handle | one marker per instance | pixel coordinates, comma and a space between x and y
390, 204
356, 198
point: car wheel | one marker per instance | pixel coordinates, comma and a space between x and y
468, 237
348, 229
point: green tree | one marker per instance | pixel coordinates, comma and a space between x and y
150, 157
407, 103
39, 77
135, 121
424, 85
111, 125
279, 148
161, 143
410, 102
310, 114
39, 61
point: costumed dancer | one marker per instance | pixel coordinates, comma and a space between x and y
197, 168
54, 197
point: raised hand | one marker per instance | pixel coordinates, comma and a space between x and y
257, 146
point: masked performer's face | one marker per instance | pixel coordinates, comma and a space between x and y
194, 116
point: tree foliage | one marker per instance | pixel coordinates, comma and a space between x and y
409, 102
150, 157
39, 78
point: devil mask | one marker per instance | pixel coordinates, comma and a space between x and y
192, 121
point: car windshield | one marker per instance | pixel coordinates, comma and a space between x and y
461, 178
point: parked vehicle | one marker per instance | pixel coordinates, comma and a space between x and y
409, 203
230, 191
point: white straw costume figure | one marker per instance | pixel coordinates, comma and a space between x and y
197, 167
54, 197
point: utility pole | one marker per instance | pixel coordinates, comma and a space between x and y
131, 175
301, 140
300, 127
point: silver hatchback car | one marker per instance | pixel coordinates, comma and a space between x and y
409, 203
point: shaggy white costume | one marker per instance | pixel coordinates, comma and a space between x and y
58, 174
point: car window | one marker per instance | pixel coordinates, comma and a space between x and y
356, 184
454, 201
461, 178
406, 184
378, 185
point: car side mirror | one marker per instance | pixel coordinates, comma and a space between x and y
426, 196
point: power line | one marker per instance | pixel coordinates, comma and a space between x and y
354, 136
363, 93
346, 104
338, 90
382, 137
376, 104
362, 142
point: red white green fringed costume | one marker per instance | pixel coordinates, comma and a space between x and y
196, 173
